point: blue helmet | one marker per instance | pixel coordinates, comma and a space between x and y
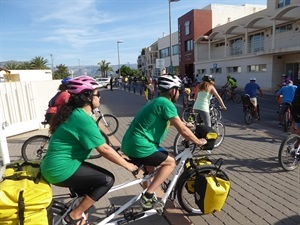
66, 80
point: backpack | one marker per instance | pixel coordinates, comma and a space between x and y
51, 103
25, 196
211, 189
233, 79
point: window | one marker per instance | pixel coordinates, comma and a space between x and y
220, 44
234, 69
283, 3
189, 46
236, 46
256, 43
257, 68
284, 28
164, 53
175, 50
217, 70
202, 71
187, 27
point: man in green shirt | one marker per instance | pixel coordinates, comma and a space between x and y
149, 128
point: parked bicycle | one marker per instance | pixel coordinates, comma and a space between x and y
35, 147
176, 186
289, 152
249, 110
109, 121
227, 95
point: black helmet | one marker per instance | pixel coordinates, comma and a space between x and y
208, 78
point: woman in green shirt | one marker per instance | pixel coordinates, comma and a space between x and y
74, 134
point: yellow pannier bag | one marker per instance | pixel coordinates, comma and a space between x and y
25, 197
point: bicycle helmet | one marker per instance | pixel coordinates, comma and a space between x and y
65, 81
187, 90
208, 78
253, 79
82, 83
167, 82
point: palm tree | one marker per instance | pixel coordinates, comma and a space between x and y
39, 63
26, 65
104, 68
11, 65
61, 72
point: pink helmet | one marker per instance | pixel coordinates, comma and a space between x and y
82, 83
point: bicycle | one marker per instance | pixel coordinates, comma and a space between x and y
110, 122
230, 95
35, 147
287, 118
176, 186
289, 152
249, 110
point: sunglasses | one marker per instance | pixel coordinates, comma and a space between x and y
98, 94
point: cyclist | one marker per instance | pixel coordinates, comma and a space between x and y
58, 100
287, 93
203, 94
74, 135
141, 141
231, 83
250, 89
187, 98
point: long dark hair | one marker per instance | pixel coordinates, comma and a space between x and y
63, 113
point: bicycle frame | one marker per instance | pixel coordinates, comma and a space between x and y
183, 156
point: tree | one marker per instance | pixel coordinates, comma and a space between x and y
26, 65
11, 65
61, 72
39, 63
104, 68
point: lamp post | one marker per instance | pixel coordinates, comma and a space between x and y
118, 42
170, 25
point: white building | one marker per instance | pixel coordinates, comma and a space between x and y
264, 45
26, 75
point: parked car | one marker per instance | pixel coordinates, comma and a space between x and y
104, 82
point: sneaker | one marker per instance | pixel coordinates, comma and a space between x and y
152, 203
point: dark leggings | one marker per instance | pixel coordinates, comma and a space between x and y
90, 180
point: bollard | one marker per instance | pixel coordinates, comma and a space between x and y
129, 88
134, 90
141, 92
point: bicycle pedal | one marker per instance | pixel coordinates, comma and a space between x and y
111, 209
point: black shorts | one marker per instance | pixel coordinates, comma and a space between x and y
152, 160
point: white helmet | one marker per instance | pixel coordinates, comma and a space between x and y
166, 82
253, 79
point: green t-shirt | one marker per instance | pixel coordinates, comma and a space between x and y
149, 128
70, 145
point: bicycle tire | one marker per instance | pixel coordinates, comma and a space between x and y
248, 116
58, 211
95, 154
186, 114
286, 153
237, 98
179, 145
35, 147
219, 127
112, 123
185, 198
223, 95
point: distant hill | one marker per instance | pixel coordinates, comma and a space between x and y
88, 70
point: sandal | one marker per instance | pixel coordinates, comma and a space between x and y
68, 220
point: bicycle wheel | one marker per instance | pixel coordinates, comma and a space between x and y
216, 113
58, 211
248, 116
185, 197
109, 122
35, 147
219, 127
237, 98
223, 95
288, 155
180, 143
95, 154
186, 113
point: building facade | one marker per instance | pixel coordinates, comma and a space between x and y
265, 45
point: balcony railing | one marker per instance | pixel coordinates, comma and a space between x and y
281, 44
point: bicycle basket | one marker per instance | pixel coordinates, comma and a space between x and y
209, 134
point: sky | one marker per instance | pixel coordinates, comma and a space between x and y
85, 32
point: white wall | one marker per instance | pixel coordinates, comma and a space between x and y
31, 75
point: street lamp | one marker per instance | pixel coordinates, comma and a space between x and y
118, 42
170, 25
